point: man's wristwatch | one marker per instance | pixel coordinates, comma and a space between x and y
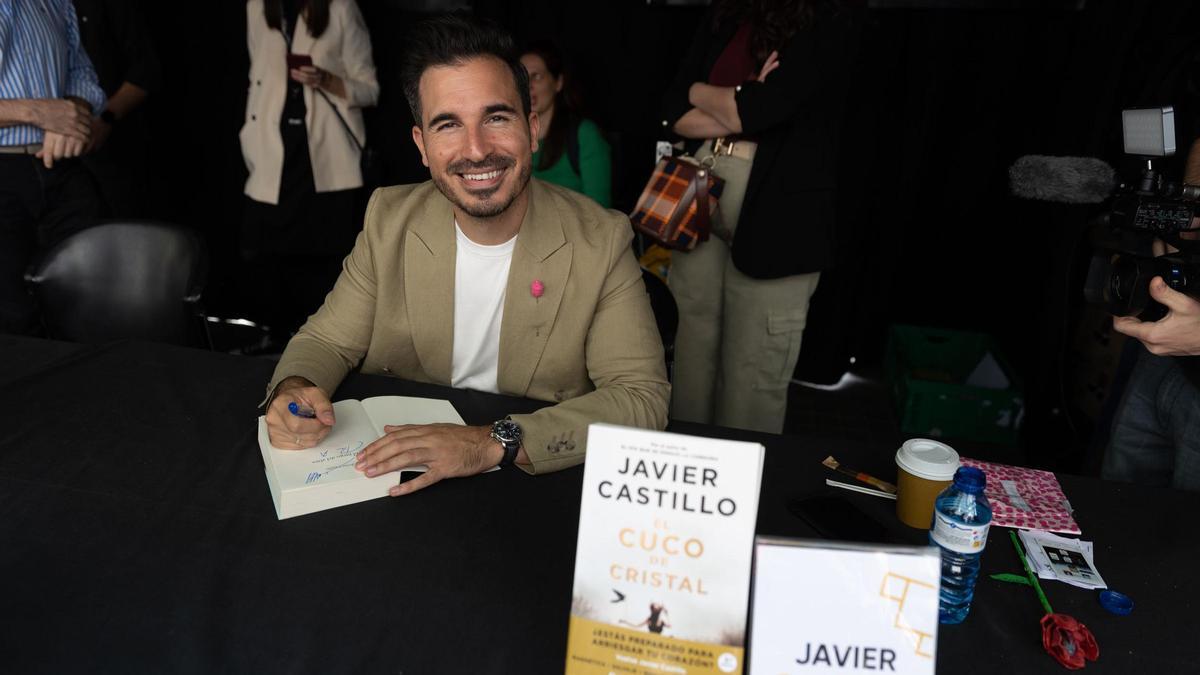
508, 434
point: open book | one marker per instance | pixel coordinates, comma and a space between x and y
315, 479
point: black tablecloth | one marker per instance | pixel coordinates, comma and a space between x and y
138, 535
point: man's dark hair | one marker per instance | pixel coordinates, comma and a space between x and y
449, 41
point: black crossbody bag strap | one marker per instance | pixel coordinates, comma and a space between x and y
340, 119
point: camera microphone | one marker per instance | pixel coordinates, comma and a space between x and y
1068, 180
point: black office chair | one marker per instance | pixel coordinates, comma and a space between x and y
666, 313
139, 280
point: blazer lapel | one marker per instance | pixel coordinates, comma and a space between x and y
429, 261
302, 42
542, 255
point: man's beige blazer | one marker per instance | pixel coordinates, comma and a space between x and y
588, 343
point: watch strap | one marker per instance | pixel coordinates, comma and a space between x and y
510, 444
510, 454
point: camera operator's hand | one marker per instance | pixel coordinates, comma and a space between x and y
1177, 333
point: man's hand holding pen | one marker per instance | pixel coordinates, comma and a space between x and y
300, 415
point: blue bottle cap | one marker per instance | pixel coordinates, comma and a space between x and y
1117, 603
970, 479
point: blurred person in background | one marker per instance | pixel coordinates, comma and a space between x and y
761, 91
572, 151
48, 96
310, 61
114, 34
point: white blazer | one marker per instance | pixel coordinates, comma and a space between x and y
344, 49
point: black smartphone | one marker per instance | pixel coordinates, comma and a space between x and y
298, 60
835, 517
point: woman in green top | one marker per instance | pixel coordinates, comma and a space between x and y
571, 151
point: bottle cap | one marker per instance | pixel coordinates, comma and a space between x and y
1117, 603
970, 479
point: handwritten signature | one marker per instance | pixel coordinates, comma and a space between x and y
347, 455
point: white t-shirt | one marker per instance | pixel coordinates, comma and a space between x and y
480, 277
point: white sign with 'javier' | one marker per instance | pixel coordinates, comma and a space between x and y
828, 607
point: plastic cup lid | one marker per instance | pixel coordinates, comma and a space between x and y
927, 459
1117, 603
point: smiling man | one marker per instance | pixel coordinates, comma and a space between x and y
480, 279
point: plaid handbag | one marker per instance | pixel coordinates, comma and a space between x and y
676, 207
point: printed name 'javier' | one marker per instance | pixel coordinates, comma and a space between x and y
663, 498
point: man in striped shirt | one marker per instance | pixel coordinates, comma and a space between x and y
48, 95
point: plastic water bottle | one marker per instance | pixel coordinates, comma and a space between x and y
961, 518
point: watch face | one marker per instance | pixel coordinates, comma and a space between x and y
507, 431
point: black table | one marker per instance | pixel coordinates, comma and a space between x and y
138, 535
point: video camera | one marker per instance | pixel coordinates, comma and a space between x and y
1153, 208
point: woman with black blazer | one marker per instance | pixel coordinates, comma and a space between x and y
761, 90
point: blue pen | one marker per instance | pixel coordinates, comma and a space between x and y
301, 411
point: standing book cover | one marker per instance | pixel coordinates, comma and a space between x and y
662, 564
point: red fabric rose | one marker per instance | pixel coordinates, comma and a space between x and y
1068, 641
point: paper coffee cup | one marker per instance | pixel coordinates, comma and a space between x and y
925, 469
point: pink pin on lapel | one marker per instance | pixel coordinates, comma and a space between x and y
537, 288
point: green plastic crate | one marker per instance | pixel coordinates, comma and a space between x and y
928, 368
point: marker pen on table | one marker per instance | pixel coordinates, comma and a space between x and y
301, 410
